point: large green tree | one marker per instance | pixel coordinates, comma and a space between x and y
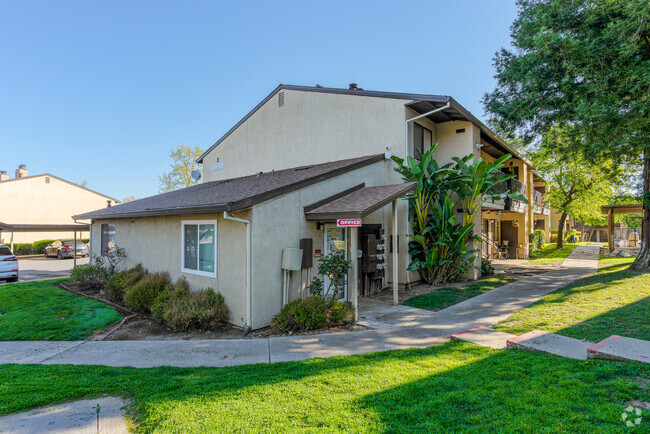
184, 162
578, 187
585, 63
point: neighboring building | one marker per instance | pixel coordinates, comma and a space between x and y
301, 159
43, 200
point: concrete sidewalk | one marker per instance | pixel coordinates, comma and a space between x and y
403, 328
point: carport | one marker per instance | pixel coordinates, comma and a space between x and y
74, 228
348, 210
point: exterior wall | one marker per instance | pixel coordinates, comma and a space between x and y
310, 128
32, 200
280, 223
156, 243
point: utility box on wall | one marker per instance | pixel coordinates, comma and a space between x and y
307, 247
291, 259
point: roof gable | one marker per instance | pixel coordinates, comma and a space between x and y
59, 179
331, 90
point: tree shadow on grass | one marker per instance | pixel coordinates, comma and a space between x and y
455, 386
513, 391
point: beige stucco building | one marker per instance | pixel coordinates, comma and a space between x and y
43, 200
328, 150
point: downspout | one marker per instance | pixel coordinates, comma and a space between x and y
249, 292
406, 153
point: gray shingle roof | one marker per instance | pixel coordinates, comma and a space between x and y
359, 203
231, 194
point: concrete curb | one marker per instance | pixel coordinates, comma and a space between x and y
456, 336
599, 346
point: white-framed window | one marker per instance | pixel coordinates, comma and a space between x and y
199, 247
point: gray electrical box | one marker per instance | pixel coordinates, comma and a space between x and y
291, 259
307, 247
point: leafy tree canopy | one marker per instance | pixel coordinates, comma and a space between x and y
582, 62
184, 162
578, 186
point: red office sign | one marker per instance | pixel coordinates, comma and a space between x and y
343, 223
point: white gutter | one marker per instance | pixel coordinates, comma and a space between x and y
406, 153
249, 292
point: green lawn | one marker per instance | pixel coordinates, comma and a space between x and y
452, 387
614, 301
445, 297
39, 311
550, 255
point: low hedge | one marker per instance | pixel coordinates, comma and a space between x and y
171, 303
312, 313
37, 247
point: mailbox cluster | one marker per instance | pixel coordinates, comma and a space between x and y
373, 262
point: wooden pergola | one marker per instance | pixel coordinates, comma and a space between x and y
611, 211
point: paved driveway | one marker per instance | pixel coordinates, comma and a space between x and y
45, 268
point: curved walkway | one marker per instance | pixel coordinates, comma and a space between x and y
416, 329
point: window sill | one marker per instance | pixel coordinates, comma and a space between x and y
199, 273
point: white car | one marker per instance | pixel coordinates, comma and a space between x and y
8, 264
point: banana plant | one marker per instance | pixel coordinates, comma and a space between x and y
478, 183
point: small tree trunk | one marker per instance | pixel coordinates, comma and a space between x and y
560, 230
642, 262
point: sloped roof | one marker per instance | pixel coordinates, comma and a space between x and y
231, 194
359, 203
421, 103
59, 179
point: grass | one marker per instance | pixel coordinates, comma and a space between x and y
444, 297
550, 255
455, 387
39, 311
614, 301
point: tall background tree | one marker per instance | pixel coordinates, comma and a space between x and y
585, 63
184, 162
578, 187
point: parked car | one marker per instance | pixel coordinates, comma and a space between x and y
8, 264
65, 249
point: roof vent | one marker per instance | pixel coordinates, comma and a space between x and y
281, 99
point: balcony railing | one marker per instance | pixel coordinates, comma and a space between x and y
515, 186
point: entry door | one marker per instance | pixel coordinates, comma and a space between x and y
336, 240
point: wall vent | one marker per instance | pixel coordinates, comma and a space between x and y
281, 99
47, 179
462, 130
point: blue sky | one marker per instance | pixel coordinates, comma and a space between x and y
102, 90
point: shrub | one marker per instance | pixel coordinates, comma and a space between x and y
95, 276
118, 283
537, 239
186, 310
144, 292
91, 275
486, 267
21, 249
39, 246
312, 313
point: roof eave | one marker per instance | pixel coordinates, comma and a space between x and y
217, 208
